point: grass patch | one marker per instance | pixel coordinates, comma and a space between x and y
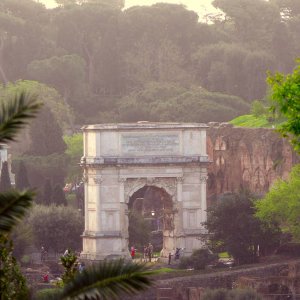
224, 255
165, 270
251, 121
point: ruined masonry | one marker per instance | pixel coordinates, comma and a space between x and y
121, 159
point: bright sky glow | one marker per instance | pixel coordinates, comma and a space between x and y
202, 7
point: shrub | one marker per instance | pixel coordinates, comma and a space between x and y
46, 294
198, 260
25, 260
56, 227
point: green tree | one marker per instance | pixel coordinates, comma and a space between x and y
13, 205
47, 193
47, 95
46, 135
22, 181
58, 196
5, 183
69, 262
56, 227
282, 204
139, 230
74, 152
285, 95
242, 234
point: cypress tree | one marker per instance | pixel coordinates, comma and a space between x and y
48, 193
22, 181
58, 196
46, 135
5, 183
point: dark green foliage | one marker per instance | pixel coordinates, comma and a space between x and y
13, 206
285, 97
22, 181
14, 115
5, 184
169, 102
242, 234
108, 280
57, 228
46, 135
111, 52
69, 262
139, 230
58, 196
238, 294
47, 193
40, 168
12, 283
198, 260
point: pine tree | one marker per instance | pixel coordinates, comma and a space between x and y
5, 183
58, 196
46, 135
22, 181
48, 193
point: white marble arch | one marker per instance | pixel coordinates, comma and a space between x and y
120, 159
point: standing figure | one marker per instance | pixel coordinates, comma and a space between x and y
43, 254
177, 253
145, 253
150, 251
132, 252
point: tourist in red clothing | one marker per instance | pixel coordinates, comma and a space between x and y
132, 252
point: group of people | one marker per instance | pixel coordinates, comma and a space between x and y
147, 252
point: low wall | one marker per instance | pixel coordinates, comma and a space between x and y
225, 279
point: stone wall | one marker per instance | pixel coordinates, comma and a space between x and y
180, 287
251, 158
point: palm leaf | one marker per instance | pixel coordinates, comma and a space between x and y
107, 280
13, 206
15, 113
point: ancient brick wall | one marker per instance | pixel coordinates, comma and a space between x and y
251, 158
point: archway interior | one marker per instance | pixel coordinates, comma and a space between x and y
150, 217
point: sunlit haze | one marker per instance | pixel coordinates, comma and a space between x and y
202, 7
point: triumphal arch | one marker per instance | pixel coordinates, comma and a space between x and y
123, 161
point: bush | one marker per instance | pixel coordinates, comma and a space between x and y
56, 227
25, 260
222, 294
198, 260
46, 294
290, 249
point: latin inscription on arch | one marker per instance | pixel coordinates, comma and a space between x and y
150, 144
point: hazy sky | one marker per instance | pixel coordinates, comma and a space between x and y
200, 6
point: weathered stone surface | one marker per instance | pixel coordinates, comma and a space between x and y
246, 158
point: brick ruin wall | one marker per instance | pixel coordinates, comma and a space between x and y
248, 158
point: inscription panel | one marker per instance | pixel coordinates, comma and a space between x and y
150, 144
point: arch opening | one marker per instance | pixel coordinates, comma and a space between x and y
150, 218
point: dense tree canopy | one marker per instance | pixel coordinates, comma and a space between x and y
285, 96
282, 204
98, 56
241, 235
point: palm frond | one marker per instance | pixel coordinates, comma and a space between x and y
15, 113
13, 206
108, 280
